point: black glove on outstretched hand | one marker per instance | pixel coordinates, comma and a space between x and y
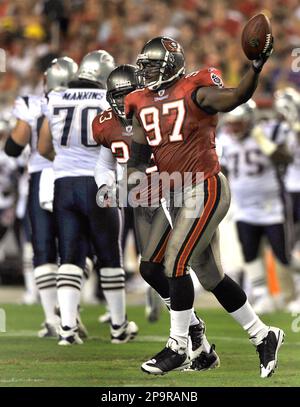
258, 63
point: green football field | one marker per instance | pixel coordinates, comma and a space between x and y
26, 360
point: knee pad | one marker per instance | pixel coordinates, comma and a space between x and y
45, 276
112, 278
154, 275
147, 269
69, 275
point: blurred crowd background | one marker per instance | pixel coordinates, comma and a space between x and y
33, 31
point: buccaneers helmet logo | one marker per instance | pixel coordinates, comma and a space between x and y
171, 46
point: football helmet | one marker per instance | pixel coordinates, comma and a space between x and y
287, 104
120, 82
160, 62
241, 119
96, 66
60, 73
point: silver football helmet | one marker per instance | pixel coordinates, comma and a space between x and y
60, 73
160, 62
287, 104
241, 119
96, 66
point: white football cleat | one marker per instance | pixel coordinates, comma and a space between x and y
294, 306
123, 333
69, 336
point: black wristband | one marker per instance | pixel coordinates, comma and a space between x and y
12, 148
255, 69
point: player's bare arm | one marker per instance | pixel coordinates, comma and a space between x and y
213, 99
45, 145
20, 136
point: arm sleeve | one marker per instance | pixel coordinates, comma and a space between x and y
12, 148
106, 166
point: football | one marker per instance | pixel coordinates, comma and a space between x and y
256, 36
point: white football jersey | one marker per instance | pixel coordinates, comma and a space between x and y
29, 109
70, 114
253, 179
8, 173
292, 177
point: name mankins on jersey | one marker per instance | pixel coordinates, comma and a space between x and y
30, 110
70, 115
182, 135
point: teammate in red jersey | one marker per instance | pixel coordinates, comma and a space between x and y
112, 131
175, 117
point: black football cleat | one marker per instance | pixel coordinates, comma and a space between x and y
206, 360
268, 351
196, 334
171, 358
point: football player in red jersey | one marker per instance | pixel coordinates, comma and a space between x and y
113, 132
175, 117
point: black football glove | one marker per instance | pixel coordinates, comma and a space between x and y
258, 63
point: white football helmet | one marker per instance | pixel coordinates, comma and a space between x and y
287, 104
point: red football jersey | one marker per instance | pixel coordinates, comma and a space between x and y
182, 135
109, 132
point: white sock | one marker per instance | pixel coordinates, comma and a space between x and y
45, 278
180, 322
29, 281
251, 323
194, 319
28, 272
256, 275
69, 280
113, 286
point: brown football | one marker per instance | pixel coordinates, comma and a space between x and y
256, 36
